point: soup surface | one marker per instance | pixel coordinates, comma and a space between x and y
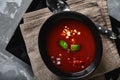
70, 45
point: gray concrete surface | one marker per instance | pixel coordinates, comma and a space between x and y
12, 68
114, 8
11, 11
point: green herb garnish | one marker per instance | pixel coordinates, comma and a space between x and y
63, 44
75, 47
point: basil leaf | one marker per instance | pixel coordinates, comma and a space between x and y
75, 47
63, 44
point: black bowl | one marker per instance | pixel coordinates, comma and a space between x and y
43, 51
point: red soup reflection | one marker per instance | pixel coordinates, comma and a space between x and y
70, 45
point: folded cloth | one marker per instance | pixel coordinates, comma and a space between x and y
101, 77
96, 10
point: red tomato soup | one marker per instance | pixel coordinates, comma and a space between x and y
70, 45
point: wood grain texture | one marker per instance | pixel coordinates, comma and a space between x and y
96, 10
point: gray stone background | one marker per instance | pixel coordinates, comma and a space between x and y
11, 12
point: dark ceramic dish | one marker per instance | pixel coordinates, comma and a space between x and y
43, 51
